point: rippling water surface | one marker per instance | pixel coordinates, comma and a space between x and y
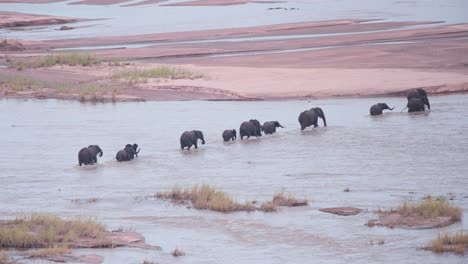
383, 160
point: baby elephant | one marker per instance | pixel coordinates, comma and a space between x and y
128, 153
378, 108
270, 127
190, 138
229, 135
88, 156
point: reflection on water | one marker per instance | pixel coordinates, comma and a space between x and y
157, 19
384, 160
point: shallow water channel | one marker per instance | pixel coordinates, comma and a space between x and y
383, 161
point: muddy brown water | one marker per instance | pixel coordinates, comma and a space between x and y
383, 160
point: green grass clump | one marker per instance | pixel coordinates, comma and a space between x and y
431, 207
136, 74
71, 59
39, 231
457, 243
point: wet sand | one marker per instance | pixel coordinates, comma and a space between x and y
222, 2
16, 19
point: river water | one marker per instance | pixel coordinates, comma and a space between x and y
383, 160
157, 19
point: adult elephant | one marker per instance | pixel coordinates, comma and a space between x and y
229, 134
270, 127
88, 155
378, 108
310, 117
415, 105
418, 93
190, 138
128, 153
251, 128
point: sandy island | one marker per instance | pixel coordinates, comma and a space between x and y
287, 61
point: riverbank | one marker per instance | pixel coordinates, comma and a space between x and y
310, 60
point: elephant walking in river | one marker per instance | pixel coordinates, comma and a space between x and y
190, 138
128, 153
310, 117
251, 128
414, 105
378, 108
270, 127
88, 155
229, 135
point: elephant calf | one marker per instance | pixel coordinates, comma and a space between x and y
88, 155
378, 108
229, 135
251, 128
310, 117
190, 138
270, 127
128, 153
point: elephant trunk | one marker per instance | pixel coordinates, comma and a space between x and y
100, 153
391, 109
427, 103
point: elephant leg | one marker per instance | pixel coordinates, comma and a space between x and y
196, 145
315, 125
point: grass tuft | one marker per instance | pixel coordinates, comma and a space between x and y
457, 243
430, 208
205, 197
268, 206
283, 199
49, 252
136, 75
71, 59
38, 231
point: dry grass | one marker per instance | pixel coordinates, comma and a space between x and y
205, 197
457, 243
38, 231
177, 253
91, 92
49, 252
71, 59
430, 208
136, 74
286, 199
268, 206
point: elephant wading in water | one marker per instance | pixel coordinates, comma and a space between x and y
250, 128
270, 127
128, 153
414, 105
229, 135
88, 156
378, 108
190, 138
310, 117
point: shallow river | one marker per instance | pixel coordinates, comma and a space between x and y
383, 161
156, 19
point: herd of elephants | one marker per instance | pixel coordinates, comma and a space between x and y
417, 99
